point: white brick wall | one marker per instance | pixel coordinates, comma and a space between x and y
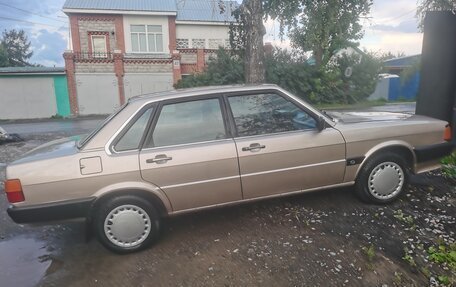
90, 67
148, 68
86, 26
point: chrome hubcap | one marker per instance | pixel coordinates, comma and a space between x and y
386, 180
127, 226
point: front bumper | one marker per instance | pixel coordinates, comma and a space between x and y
433, 152
51, 211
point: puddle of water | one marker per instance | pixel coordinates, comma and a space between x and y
23, 262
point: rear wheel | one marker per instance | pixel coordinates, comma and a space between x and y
126, 224
382, 179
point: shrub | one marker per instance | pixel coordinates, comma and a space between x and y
449, 166
223, 69
291, 71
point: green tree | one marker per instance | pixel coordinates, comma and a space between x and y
4, 62
432, 5
328, 25
17, 46
223, 69
364, 76
291, 71
246, 35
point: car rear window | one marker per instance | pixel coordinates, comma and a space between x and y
131, 139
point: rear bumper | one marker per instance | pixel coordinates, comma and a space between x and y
51, 211
433, 152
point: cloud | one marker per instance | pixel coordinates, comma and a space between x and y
408, 26
42, 7
48, 48
409, 43
392, 12
48, 34
393, 27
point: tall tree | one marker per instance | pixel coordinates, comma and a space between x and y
432, 5
17, 46
252, 16
246, 35
4, 62
326, 26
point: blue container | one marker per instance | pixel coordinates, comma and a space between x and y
409, 89
394, 90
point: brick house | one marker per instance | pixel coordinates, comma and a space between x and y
123, 48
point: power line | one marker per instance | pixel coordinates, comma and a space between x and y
30, 22
397, 17
30, 12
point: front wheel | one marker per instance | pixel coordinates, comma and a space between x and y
382, 179
126, 224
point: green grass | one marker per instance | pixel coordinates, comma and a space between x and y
449, 166
442, 254
398, 214
369, 252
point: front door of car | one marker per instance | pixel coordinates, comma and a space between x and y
191, 156
280, 148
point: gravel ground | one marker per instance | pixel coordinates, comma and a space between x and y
326, 238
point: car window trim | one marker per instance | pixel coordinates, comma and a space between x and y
277, 134
130, 123
262, 92
230, 139
218, 96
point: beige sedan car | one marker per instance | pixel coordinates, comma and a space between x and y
182, 151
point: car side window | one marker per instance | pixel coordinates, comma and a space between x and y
189, 122
267, 114
132, 138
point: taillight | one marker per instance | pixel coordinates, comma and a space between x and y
13, 189
447, 134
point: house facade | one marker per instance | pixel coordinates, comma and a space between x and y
124, 48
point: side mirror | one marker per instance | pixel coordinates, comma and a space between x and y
321, 124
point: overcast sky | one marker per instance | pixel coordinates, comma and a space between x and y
392, 27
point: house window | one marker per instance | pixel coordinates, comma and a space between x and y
182, 44
198, 43
99, 46
215, 43
146, 38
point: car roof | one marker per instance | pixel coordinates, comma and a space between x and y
194, 92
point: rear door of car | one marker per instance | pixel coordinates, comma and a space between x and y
190, 154
279, 146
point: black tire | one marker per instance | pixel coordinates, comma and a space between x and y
143, 212
365, 187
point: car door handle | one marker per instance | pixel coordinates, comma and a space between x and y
159, 159
254, 147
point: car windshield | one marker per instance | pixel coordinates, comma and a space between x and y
85, 139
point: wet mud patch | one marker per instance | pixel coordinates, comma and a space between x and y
24, 261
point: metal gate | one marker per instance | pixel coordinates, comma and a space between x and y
98, 94
139, 84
